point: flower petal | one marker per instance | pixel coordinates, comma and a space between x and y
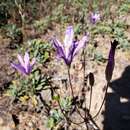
69, 34
20, 59
81, 44
19, 68
70, 56
59, 48
26, 60
56, 43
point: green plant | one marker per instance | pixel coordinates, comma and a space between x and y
57, 14
57, 114
95, 54
78, 28
101, 28
124, 44
28, 86
98, 57
54, 118
39, 49
42, 24
124, 7
13, 32
66, 103
118, 34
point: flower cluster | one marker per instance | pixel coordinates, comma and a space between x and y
94, 18
24, 65
70, 47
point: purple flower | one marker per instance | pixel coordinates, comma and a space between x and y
111, 61
94, 18
71, 47
24, 66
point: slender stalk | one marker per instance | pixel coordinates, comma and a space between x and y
93, 122
72, 92
102, 102
84, 118
84, 71
90, 101
71, 87
66, 118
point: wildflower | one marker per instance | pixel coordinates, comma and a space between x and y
24, 66
111, 61
71, 47
94, 18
